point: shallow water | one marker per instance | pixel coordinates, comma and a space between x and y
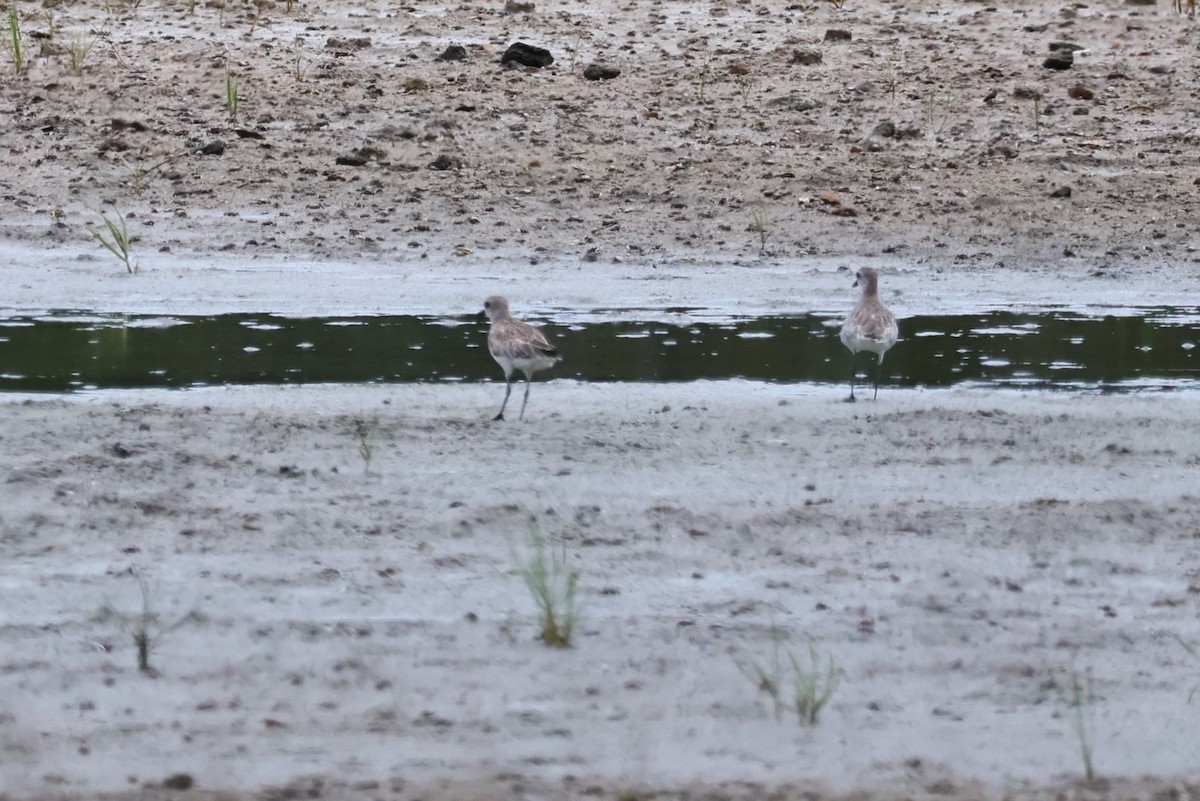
60, 351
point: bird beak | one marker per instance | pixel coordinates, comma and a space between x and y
855, 284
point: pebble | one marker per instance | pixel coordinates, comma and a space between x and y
600, 72
214, 148
837, 35
806, 56
453, 53
1062, 56
527, 55
445, 162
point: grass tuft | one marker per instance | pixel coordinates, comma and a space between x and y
232, 98
14, 30
118, 242
553, 586
1081, 706
145, 627
812, 685
362, 433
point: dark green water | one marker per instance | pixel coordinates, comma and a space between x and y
1148, 349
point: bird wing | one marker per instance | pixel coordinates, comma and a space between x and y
517, 340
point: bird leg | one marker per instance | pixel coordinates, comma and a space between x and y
853, 357
507, 391
526, 400
878, 373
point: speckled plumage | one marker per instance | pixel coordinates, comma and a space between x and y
516, 345
870, 326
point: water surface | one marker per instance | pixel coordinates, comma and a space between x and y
59, 351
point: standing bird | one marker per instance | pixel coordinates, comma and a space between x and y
870, 326
516, 346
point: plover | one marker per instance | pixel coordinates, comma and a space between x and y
869, 327
516, 346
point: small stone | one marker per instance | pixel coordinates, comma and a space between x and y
527, 55
600, 72
806, 56
453, 53
1059, 60
213, 148
1081, 93
518, 7
885, 130
345, 45
1061, 192
837, 35
444, 162
1062, 56
794, 103
178, 781
351, 160
1026, 93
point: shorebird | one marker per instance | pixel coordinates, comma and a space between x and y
869, 327
516, 345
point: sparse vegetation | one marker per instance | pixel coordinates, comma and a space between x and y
553, 585
760, 223
145, 626
139, 175
300, 62
1194, 651
14, 30
118, 242
1081, 710
704, 78
813, 685
362, 433
232, 97
78, 51
259, 7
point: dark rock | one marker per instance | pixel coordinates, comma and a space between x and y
1081, 93
837, 35
885, 130
453, 53
527, 55
352, 160
214, 148
1062, 191
794, 103
178, 781
444, 162
242, 133
1026, 93
806, 56
1059, 60
360, 43
600, 72
1062, 55
518, 7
